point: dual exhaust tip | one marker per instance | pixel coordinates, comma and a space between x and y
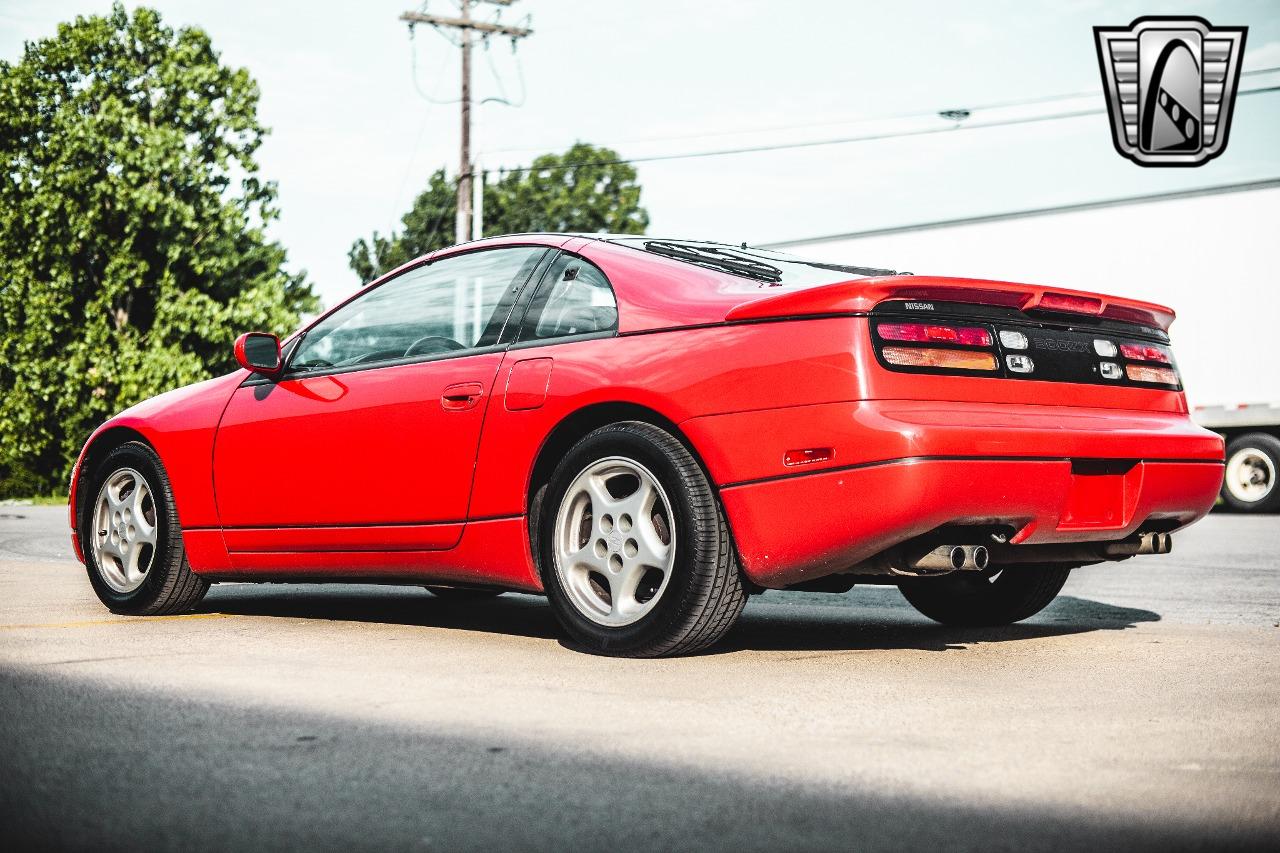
1146, 543
1156, 543
954, 558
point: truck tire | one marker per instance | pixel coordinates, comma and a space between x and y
986, 599
1249, 482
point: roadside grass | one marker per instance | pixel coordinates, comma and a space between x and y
36, 500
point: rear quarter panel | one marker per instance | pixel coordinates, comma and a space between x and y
680, 374
745, 393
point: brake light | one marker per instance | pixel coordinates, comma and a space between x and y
1160, 375
1067, 302
970, 336
951, 359
1142, 352
1047, 352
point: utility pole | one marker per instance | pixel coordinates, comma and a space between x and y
465, 25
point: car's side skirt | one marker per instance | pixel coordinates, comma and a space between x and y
489, 552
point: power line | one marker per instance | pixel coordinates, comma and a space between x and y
497, 78
430, 98
485, 40
465, 26
919, 114
1267, 183
842, 140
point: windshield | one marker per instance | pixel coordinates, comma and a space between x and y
763, 265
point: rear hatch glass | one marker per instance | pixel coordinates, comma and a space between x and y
769, 268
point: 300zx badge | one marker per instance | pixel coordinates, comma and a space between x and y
1060, 345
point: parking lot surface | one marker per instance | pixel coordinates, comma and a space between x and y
1140, 710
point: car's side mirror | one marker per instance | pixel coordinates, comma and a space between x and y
259, 352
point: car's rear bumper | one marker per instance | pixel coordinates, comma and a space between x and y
795, 529
1052, 474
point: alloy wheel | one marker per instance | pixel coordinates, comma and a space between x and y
125, 530
615, 541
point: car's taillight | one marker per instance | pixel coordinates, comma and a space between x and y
1144, 373
938, 346
970, 336
1143, 352
1020, 348
953, 359
1147, 356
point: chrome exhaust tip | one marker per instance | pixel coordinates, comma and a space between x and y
954, 558
979, 557
945, 558
1155, 543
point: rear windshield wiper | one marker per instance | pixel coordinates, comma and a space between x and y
718, 259
869, 271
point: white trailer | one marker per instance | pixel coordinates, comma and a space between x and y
1210, 254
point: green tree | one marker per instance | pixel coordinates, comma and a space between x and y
429, 225
131, 231
584, 190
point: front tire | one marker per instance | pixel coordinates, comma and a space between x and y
634, 549
131, 538
1249, 481
986, 599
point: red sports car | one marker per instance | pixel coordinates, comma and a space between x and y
648, 431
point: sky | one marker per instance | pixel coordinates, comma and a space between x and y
355, 134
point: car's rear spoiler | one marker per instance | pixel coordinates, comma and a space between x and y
863, 294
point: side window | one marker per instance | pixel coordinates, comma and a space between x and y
574, 298
451, 305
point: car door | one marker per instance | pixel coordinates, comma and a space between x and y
368, 440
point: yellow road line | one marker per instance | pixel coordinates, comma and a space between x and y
132, 620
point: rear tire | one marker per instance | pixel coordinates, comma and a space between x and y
634, 550
131, 538
984, 599
1249, 481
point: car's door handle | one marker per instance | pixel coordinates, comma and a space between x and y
460, 397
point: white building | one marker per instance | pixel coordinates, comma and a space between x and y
1212, 255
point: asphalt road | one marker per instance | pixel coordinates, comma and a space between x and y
1138, 711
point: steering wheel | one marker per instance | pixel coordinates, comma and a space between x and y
363, 358
438, 342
